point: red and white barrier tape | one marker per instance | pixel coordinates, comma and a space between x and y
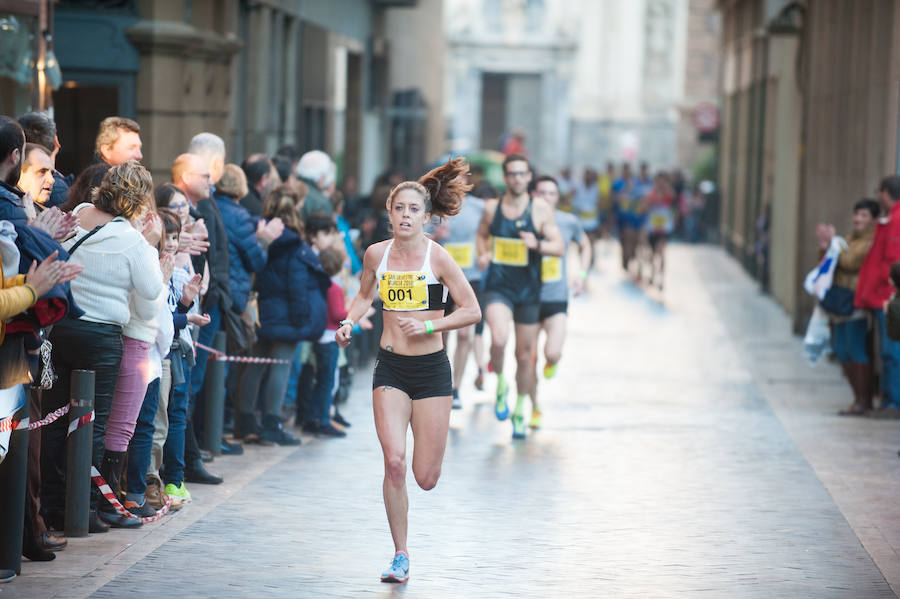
8, 424
77, 424
222, 357
107, 492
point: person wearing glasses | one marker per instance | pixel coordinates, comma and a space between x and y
516, 231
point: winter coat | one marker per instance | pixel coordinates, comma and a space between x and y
292, 289
252, 202
216, 256
34, 244
873, 286
846, 273
245, 255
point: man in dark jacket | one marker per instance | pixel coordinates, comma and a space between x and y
261, 179
191, 174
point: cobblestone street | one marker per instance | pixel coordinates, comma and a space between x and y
688, 450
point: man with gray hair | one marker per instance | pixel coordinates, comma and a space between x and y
211, 148
319, 173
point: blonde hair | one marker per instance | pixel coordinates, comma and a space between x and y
233, 182
283, 202
126, 190
109, 131
442, 188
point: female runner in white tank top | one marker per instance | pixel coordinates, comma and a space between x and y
412, 384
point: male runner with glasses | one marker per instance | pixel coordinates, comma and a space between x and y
515, 232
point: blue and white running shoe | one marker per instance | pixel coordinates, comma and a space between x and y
399, 569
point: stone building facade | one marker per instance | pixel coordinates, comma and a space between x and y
587, 80
259, 73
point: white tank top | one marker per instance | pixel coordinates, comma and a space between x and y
410, 290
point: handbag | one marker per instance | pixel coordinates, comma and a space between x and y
838, 301
240, 334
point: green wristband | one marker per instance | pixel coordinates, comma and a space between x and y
429, 327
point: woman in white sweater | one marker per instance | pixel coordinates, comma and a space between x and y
121, 275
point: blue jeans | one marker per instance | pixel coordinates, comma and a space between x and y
141, 444
173, 451
290, 395
206, 336
890, 359
323, 391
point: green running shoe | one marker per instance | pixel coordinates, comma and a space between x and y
518, 422
550, 370
179, 493
501, 408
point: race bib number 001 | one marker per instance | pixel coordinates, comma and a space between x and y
509, 251
462, 253
551, 269
403, 290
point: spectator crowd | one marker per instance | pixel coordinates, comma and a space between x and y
857, 313
108, 272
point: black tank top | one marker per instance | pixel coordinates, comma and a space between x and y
515, 270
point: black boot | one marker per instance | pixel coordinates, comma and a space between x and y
95, 524
30, 547
195, 472
273, 432
111, 471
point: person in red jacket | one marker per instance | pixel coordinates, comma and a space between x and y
874, 289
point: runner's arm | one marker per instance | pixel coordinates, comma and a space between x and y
552, 243
585, 251
363, 299
483, 237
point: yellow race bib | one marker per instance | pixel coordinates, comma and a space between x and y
462, 254
551, 269
403, 291
509, 251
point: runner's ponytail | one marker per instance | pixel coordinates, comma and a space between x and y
446, 187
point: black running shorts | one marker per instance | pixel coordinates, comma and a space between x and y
523, 313
549, 309
417, 376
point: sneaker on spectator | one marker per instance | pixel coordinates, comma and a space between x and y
139, 510
273, 432
179, 495
329, 430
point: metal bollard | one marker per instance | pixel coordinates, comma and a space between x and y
78, 455
13, 472
214, 400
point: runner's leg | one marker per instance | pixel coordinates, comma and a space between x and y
430, 423
526, 341
498, 316
555, 326
393, 411
461, 353
534, 376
